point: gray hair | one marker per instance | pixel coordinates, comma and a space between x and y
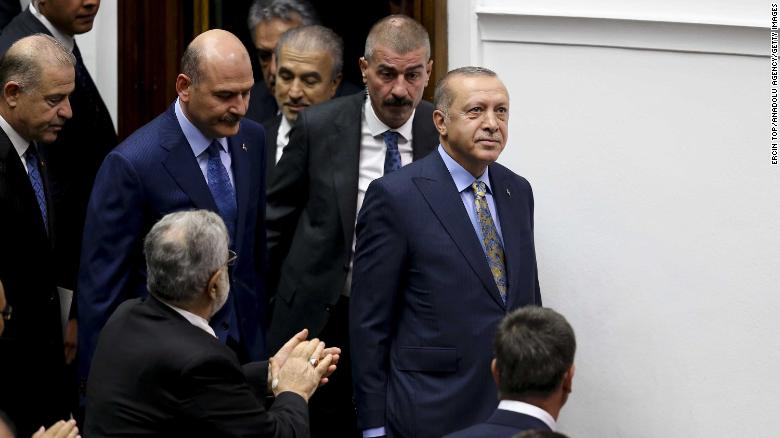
183, 250
190, 62
534, 349
399, 33
25, 60
443, 96
314, 38
265, 10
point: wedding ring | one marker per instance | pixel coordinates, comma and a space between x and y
313, 361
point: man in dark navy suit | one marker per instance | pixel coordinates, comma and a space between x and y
197, 154
444, 250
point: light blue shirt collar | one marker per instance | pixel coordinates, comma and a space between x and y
198, 142
462, 178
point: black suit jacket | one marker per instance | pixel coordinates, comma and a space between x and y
31, 349
156, 374
271, 130
75, 157
502, 424
312, 203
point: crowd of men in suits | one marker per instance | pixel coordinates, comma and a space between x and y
207, 248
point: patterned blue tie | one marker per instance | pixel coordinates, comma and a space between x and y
493, 249
34, 173
221, 189
392, 156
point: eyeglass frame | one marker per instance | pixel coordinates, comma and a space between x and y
232, 257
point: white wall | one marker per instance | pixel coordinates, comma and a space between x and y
99, 48
644, 130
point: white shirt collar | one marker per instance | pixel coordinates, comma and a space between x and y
197, 321
377, 127
65, 39
284, 130
20, 144
528, 409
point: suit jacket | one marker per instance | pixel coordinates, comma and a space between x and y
271, 131
75, 157
502, 424
156, 374
425, 306
31, 349
312, 204
149, 175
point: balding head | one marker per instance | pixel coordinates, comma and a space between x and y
37, 75
214, 83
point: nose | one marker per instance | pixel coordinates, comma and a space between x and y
240, 104
89, 4
490, 121
398, 90
296, 90
64, 110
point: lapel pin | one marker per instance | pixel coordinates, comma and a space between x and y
508, 193
243, 146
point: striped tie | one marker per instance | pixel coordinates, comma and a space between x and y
493, 249
34, 173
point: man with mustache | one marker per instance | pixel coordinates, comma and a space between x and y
37, 76
201, 154
336, 149
444, 250
308, 72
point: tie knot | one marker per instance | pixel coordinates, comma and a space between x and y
479, 187
214, 148
32, 151
391, 139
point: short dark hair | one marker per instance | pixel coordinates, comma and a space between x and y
264, 10
442, 94
539, 434
25, 60
314, 38
398, 32
534, 349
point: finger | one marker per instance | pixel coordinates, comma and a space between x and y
331, 350
39, 432
324, 364
335, 360
317, 354
323, 381
293, 342
66, 428
74, 431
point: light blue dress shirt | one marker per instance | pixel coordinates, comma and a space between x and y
199, 144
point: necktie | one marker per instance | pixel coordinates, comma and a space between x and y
221, 189
392, 156
34, 173
493, 249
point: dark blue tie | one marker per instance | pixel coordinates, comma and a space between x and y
34, 173
221, 189
392, 156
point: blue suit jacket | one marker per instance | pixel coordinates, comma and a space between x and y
425, 307
149, 175
502, 424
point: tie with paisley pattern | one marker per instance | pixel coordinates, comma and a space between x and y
493, 249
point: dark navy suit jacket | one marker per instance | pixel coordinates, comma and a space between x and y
425, 306
149, 175
502, 424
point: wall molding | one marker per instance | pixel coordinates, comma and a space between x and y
746, 39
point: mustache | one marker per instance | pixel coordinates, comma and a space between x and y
397, 101
230, 118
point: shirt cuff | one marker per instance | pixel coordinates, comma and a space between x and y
375, 432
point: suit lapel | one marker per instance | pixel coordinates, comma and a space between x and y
344, 144
508, 214
182, 165
241, 175
440, 192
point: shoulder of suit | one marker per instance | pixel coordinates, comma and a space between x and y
500, 171
22, 25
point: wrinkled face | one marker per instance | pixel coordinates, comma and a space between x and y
303, 79
40, 112
474, 130
395, 82
216, 104
70, 16
266, 36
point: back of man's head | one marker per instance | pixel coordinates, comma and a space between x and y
534, 354
183, 250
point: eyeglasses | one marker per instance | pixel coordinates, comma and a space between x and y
232, 256
7, 312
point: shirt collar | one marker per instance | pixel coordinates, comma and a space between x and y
377, 127
197, 321
65, 39
528, 409
198, 142
284, 127
20, 144
463, 179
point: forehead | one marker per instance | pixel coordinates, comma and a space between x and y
384, 56
298, 60
267, 32
56, 79
226, 71
469, 89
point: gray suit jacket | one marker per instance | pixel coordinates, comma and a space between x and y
312, 203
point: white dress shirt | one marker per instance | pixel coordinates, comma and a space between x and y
197, 321
20, 144
528, 409
282, 137
64, 39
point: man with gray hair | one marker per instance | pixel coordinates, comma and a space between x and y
268, 20
159, 369
37, 76
533, 370
308, 72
